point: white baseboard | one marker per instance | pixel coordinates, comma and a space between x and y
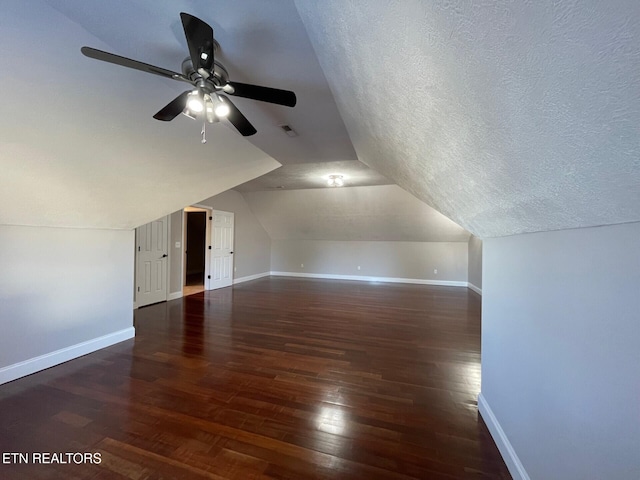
474, 288
250, 277
516, 469
174, 296
33, 365
362, 278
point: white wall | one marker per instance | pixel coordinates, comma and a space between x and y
412, 260
475, 263
61, 287
561, 350
378, 212
175, 254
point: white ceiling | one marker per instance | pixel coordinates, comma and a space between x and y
382, 212
506, 117
261, 42
78, 144
315, 175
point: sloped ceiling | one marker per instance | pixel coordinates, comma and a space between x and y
507, 117
78, 144
383, 213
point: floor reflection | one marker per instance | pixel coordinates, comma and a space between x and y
332, 419
194, 325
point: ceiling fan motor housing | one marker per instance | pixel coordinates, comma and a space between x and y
217, 80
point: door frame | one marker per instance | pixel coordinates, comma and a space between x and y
207, 243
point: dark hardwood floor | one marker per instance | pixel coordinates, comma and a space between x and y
277, 378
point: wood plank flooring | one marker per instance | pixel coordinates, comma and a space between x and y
278, 378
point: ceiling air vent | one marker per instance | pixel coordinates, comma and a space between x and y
289, 131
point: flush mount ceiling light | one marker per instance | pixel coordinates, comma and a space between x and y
335, 180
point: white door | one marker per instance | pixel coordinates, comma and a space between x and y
151, 262
221, 270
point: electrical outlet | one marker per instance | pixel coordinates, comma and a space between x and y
177, 244
435, 270
234, 269
302, 265
358, 267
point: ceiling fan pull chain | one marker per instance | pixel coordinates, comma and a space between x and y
204, 132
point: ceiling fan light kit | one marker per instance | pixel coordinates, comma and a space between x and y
194, 104
207, 99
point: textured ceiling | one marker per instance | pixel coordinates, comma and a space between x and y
315, 175
383, 212
508, 117
78, 144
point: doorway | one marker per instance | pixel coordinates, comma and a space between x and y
195, 250
215, 240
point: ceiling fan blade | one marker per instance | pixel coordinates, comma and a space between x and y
173, 108
264, 94
129, 63
200, 40
238, 120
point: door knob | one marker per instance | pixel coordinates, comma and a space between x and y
164, 256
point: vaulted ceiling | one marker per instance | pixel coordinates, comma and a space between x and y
78, 144
506, 117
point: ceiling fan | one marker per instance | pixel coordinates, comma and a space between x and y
208, 77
